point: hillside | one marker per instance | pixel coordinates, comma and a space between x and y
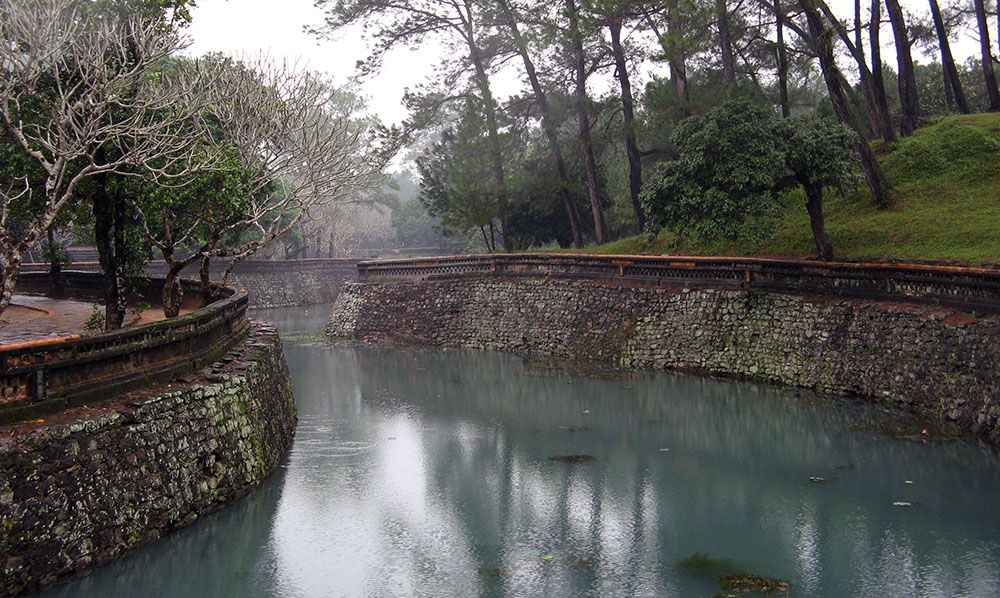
946, 189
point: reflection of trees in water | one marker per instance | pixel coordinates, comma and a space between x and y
737, 473
416, 472
731, 423
355, 518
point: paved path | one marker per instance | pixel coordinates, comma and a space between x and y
30, 318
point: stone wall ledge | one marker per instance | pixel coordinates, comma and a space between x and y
938, 362
89, 484
267, 283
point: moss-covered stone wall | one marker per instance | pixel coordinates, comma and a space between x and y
290, 283
87, 485
936, 362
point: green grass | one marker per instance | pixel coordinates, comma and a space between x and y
946, 205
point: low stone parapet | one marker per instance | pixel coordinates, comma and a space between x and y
88, 485
47, 375
938, 361
267, 283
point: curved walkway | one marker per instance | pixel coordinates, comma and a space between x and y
32, 318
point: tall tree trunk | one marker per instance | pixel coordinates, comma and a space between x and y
814, 205
677, 61
986, 56
908, 96
822, 41
104, 236
676, 58
172, 293
949, 95
121, 259
12, 259
952, 83
782, 51
865, 76
489, 107
628, 111
548, 125
888, 129
725, 43
583, 121
878, 120
205, 280
55, 263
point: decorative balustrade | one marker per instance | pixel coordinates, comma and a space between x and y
46, 375
966, 288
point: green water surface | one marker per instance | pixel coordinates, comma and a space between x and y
421, 473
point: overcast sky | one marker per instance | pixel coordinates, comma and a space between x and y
251, 26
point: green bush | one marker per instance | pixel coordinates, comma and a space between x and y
727, 178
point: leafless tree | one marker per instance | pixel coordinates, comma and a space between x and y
74, 85
341, 229
300, 146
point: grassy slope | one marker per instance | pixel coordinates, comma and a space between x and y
946, 181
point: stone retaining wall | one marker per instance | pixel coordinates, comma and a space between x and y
90, 484
933, 361
290, 283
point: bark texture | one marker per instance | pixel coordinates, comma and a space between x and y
628, 111
823, 44
908, 97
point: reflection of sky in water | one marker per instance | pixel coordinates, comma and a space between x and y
422, 473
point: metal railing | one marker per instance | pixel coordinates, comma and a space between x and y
966, 288
46, 375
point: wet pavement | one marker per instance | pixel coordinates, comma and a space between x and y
30, 318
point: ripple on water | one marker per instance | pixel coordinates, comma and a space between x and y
421, 473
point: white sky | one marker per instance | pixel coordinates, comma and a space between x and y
277, 28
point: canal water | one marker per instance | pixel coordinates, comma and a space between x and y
420, 473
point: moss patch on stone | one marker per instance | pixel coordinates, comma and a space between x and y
747, 583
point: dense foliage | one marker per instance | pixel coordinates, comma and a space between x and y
103, 126
608, 87
729, 171
734, 164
